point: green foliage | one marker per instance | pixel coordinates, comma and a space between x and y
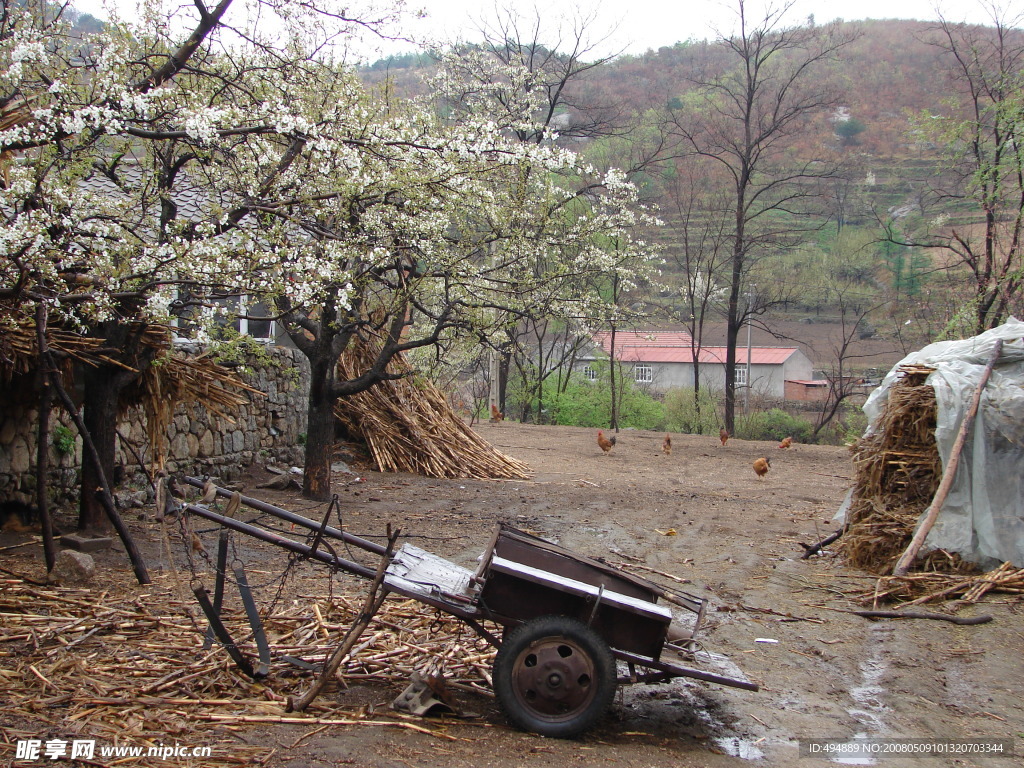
63, 440
907, 269
234, 349
773, 425
588, 404
851, 425
848, 130
690, 415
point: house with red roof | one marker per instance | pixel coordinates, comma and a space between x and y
664, 360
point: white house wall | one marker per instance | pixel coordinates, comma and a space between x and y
768, 380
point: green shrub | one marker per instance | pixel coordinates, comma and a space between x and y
773, 425
63, 440
682, 413
588, 404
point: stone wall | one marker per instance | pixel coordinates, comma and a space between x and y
267, 429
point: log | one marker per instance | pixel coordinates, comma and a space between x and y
924, 615
932, 513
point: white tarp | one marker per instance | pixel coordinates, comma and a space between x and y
982, 519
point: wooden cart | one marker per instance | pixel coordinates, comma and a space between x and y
573, 628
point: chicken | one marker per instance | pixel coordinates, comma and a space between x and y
786, 442
606, 443
723, 435
496, 415
761, 467
666, 445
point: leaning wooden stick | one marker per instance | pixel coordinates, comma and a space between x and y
903, 564
966, 620
810, 550
374, 601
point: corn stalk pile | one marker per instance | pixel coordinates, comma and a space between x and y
898, 470
964, 589
125, 668
408, 426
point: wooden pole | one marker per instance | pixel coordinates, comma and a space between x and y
43, 439
138, 563
374, 600
932, 513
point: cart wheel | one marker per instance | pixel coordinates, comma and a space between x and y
554, 676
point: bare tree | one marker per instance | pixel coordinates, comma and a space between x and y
748, 117
699, 246
981, 137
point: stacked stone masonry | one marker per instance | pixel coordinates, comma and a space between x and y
268, 429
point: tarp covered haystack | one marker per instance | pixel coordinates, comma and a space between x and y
914, 417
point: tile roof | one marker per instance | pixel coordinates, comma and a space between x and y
675, 347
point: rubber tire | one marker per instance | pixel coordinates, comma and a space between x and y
554, 636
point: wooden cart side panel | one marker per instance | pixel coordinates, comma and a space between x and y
512, 595
521, 547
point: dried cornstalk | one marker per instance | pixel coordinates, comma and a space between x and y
898, 470
408, 426
125, 668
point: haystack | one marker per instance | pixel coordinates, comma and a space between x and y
916, 419
408, 426
897, 472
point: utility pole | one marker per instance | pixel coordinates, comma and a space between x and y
493, 389
746, 394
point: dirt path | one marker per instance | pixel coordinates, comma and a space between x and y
829, 675
700, 514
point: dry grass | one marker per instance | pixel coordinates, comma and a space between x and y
898, 470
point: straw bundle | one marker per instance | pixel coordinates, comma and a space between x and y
409, 426
181, 378
897, 472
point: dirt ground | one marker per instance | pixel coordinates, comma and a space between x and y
700, 514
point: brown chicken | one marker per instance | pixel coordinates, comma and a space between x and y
761, 467
666, 445
606, 443
723, 435
496, 415
786, 442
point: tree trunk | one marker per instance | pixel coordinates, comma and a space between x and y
316, 481
103, 385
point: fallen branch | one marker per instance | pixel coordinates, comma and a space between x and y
810, 550
923, 615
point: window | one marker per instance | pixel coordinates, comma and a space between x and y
258, 323
644, 374
589, 373
241, 313
741, 376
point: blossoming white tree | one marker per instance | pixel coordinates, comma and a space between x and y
251, 160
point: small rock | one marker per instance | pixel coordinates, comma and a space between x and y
73, 568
